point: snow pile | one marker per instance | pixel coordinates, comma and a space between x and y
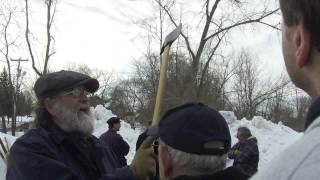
5, 138
272, 138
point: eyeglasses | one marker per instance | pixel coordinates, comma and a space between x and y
76, 92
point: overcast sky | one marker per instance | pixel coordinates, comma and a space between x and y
101, 34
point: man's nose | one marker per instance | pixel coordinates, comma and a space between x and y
84, 98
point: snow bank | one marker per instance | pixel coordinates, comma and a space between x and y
272, 138
10, 140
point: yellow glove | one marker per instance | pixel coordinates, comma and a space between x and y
7, 159
237, 152
143, 164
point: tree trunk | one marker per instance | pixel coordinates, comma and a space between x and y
13, 118
4, 127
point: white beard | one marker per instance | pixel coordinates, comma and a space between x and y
70, 119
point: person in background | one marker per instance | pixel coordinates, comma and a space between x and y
62, 145
194, 140
301, 53
245, 152
114, 141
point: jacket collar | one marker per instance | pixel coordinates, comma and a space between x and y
56, 133
313, 112
112, 130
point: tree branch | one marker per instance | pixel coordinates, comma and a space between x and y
28, 40
258, 20
182, 34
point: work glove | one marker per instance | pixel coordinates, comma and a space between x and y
234, 153
143, 164
7, 159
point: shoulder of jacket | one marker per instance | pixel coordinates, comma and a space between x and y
35, 139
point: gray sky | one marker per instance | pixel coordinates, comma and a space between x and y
101, 34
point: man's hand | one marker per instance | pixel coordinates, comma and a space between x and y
233, 154
7, 159
237, 152
144, 162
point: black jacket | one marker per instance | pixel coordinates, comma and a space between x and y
120, 147
313, 112
140, 139
51, 154
229, 173
246, 156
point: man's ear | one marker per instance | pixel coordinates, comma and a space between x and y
166, 161
302, 41
48, 105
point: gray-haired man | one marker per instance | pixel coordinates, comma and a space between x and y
193, 143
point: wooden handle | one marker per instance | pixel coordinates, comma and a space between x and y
161, 86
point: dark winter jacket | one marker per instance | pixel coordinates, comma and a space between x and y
51, 154
140, 139
115, 142
246, 156
230, 173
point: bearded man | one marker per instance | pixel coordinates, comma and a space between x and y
61, 146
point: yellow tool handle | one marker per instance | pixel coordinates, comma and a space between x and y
161, 86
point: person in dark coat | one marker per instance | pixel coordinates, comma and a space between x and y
194, 140
114, 140
141, 138
245, 153
62, 145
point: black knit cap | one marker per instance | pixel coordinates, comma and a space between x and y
194, 128
54, 83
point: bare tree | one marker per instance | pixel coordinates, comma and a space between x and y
105, 78
10, 44
215, 27
197, 71
50, 14
248, 91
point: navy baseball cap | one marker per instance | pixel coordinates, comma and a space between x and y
54, 83
194, 128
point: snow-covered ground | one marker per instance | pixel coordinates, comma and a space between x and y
272, 138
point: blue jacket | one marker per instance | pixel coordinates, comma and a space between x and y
51, 154
120, 147
247, 157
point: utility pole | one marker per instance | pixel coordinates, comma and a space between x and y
14, 96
